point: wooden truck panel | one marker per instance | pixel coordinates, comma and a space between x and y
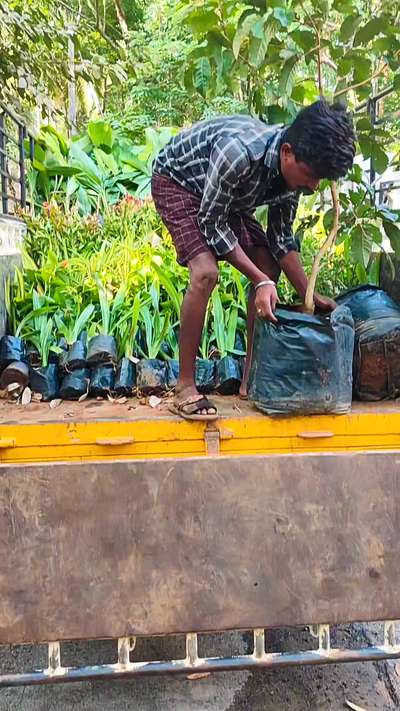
119, 548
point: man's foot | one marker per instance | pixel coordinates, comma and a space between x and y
191, 405
244, 386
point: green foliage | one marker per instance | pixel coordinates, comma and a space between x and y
121, 278
94, 170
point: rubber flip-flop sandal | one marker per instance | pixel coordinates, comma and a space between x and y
201, 404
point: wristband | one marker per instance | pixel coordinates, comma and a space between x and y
266, 282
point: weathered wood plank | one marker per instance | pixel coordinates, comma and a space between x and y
151, 547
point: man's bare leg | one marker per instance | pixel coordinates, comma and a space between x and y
203, 278
264, 260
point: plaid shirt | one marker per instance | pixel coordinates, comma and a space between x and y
233, 162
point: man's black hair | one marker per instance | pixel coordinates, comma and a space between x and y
322, 136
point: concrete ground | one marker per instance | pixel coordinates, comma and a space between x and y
370, 685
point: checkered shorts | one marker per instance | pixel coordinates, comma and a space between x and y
179, 208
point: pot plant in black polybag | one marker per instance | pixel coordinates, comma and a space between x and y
225, 328
71, 327
125, 377
102, 346
44, 379
151, 370
303, 363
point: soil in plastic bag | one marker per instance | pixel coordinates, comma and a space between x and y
75, 384
303, 364
102, 380
17, 372
125, 379
205, 375
172, 374
33, 357
229, 375
74, 357
376, 363
151, 376
45, 381
12, 349
102, 350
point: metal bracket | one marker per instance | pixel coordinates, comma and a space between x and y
212, 442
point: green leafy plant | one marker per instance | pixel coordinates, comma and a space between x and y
71, 327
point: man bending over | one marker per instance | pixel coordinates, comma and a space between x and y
206, 184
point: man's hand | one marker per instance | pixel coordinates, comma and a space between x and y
265, 302
324, 303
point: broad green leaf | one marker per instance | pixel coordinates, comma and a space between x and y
372, 28
202, 21
283, 16
101, 134
105, 161
65, 170
362, 69
257, 51
86, 165
286, 75
361, 244
393, 233
202, 75
305, 39
380, 159
243, 32
349, 27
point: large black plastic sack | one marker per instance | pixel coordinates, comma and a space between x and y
74, 358
102, 380
205, 375
229, 375
75, 384
303, 364
151, 376
102, 350
45, 381
376, 364
12, 349
125, 379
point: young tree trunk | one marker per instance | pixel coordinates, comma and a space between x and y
330, 240
121, 17
325, 249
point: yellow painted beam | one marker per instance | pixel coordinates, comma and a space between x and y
165, 437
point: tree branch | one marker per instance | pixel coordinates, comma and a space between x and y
361, 83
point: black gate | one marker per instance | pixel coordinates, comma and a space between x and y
13, 161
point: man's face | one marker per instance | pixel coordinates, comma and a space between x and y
297, 175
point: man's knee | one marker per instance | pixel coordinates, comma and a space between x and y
204, 277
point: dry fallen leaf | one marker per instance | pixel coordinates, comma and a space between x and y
12, 387
82, 397
55, 403
154, 401
354, 707
122, 400
26, 396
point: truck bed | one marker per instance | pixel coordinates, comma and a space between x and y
118, 519
103, 430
